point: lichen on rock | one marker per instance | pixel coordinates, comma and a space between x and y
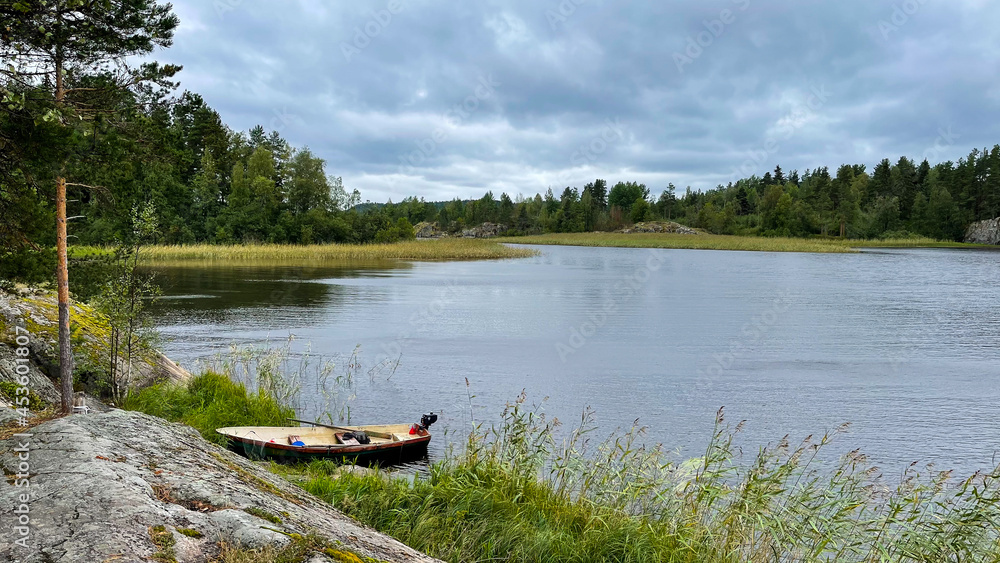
37, 312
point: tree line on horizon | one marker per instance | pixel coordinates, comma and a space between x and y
896, 200
206, 183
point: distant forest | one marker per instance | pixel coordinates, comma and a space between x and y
207, 183
895, 200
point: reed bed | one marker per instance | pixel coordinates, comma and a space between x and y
430, 250
728, 242
515, 494
260, 386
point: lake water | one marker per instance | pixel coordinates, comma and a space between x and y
903, 344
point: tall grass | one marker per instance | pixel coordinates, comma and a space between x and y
209, 401
441, 249
727, 242
260, 386
516, 494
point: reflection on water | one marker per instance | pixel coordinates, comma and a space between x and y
902, 343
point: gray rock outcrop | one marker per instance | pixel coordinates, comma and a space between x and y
984, 232
38, 382
103, 485
486, 230
428, 230
36, 312
659, 227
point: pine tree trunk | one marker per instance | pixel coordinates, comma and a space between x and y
62, 279
62, 270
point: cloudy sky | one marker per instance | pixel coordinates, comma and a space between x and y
445, 99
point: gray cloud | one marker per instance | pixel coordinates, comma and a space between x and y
698, 88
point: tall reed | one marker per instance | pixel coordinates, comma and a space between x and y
516, 493
442, 249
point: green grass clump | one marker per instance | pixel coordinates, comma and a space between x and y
211, 401
728, 242
515, 495
190, 532
263, 515
439, 249
164, 542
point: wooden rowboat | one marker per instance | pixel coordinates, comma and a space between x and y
392, 443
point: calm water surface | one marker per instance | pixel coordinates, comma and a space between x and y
903, 344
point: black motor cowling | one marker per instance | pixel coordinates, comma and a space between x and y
428, 419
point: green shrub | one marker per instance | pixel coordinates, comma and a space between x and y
210, 401
9, 390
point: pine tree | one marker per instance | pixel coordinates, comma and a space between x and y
904, 186
881, 184
79, 57
779, 176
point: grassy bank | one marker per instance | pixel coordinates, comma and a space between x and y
516, 493
442, 249
211, 401
726, 242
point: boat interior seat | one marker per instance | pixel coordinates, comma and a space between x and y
347, 441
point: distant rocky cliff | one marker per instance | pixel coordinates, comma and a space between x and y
984, 232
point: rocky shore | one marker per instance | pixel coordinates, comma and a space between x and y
425, 231
37, 312
123, 486
102, 486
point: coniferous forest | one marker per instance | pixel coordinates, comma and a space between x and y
130, 141
208, 183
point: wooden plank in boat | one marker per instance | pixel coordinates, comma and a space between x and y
347, 441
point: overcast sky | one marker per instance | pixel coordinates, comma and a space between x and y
445, 99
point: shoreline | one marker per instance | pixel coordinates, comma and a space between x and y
733, 243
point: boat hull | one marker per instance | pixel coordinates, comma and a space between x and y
402, 448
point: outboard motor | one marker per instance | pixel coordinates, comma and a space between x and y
427, 419
425, 423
